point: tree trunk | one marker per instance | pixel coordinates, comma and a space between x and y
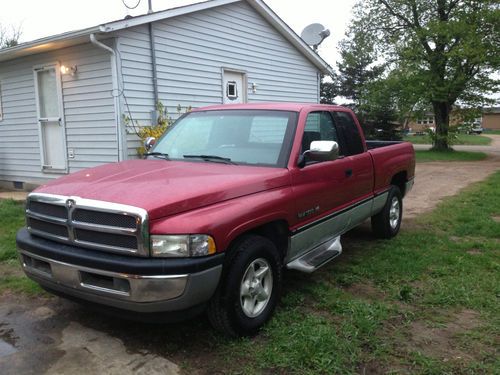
442, 118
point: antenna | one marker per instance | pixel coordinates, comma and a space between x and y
314, 34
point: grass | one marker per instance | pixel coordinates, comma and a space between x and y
11, 219
11, 277
463, 139
396, 306
497, 132
429, 155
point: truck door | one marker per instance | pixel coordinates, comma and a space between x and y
319, 188
360, 177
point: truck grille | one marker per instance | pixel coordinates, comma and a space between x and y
88, 223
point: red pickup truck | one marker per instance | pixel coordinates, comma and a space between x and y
226, 199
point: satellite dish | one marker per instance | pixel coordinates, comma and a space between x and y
314, 34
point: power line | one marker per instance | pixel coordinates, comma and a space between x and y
131, 7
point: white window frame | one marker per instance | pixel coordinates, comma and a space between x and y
244, 88
57, 67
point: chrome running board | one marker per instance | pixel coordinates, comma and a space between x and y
317, 257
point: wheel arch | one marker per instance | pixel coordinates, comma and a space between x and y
277, 231
399, 180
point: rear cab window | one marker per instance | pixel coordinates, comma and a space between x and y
349, 132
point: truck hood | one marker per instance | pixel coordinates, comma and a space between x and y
164, 188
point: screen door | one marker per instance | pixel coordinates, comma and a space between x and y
49, 111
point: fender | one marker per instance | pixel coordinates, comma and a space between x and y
227, 220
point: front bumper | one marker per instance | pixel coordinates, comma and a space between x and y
123, 282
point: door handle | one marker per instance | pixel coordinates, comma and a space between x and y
348, 172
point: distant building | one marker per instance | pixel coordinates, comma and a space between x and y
491, 118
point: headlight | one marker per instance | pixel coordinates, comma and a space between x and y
193, 245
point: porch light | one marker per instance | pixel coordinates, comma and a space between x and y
69, 70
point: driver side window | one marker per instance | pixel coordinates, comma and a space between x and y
319, 127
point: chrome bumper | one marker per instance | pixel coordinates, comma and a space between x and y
126, 291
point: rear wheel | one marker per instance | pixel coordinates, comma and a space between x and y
249, 289
387, 222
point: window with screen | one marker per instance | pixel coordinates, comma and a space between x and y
352, 138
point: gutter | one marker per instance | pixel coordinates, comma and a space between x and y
116, 92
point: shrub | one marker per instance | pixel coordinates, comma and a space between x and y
163, 123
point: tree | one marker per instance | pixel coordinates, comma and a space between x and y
361, 80
9, 38
448, 49
357, 65
328, 91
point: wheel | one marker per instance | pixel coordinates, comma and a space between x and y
249, 289
387, 222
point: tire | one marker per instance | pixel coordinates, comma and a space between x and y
387, 222
245, 300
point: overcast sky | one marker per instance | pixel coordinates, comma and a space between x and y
39, 18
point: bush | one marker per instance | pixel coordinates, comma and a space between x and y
163, 123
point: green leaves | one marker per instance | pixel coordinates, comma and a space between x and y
445, 52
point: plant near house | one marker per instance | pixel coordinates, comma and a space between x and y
164, 120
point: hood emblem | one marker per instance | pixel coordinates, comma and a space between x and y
70, 203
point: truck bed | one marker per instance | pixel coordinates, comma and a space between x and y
389, 158
377, 144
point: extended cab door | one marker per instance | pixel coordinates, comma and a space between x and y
319, 188
359, 184
330, 196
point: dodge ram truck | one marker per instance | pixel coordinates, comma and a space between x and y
220, 205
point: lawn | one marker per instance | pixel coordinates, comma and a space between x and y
423, 156
424, 302
497, 132
463, 139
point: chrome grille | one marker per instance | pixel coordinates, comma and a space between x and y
104, 218
89, 223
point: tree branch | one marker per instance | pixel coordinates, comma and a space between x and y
396, 14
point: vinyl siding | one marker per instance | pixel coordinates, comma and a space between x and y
88, 111
192, 50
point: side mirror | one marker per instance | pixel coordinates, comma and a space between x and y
320, 151
149, 142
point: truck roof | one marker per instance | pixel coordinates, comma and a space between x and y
294, 107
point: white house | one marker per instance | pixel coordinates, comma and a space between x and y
63, 98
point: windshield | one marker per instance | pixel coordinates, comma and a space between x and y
255, 137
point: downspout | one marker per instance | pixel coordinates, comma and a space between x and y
154, 112
153, 63
116, 92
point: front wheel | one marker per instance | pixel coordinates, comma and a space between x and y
387, 222
249, 289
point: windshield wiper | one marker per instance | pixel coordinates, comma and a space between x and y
160, 155
214, 158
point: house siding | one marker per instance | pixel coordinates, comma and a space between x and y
191, 51
89, 113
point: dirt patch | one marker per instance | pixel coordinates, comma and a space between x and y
365, 291
437, 180
474, 252
8, 270
441, 342
496, 219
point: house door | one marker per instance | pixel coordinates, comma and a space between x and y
234, 87
50, 119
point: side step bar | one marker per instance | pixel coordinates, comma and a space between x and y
317, 257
